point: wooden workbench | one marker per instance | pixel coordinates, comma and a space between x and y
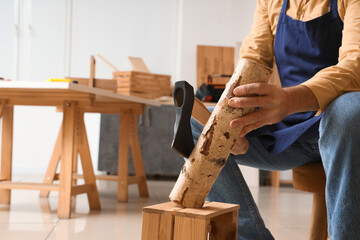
74, 100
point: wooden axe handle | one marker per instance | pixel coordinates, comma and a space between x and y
199, 112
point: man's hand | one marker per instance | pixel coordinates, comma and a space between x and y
240, 147
273, 104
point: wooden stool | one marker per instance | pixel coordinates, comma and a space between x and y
311, 178
167, 221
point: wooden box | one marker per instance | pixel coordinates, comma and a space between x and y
214, 221
146, 85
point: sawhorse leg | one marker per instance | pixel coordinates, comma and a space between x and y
6, 151
128, 136
74, 141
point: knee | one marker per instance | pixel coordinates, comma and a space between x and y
341, 116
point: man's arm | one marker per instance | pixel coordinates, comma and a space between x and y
343, 77
274, 103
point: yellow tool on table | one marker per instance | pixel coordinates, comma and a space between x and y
58, 80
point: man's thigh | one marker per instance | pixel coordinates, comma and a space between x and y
299, 153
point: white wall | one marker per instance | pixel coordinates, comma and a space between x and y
64, 33
209, 22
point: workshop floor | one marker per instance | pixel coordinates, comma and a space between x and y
286, 212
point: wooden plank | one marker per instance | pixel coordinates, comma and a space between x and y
61, 88
213, 60
86, 163
84, 188
6, 151
190, 228
131, 179
67, 158
3, 103
209, 210
224, 227
162, 208
166, 229
123, 158
137, 157
138, 64
53, 164
92, 71
107, 84
150, 226
28, 186
108, 63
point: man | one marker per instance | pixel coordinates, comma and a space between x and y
314, 117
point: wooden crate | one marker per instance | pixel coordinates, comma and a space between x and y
214, 221
142, 84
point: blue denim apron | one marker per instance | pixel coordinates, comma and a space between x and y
301, 50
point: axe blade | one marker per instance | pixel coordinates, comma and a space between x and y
183, 142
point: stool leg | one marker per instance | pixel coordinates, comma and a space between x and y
275, 178
6, 152
318, 225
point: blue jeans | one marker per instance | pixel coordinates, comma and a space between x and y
338, 147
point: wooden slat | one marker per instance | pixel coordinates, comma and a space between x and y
213, 60
28, 186
108, 63
131, 179
190, 228
209, 210
84, 188
3, 103
92, 71
138, 64
150, 226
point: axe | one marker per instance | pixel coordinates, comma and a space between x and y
186, 106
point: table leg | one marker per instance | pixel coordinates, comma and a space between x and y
53, 164
68, 156
86, 163
123, 161
137, 157
6, 151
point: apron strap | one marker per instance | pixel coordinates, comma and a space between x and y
334, 5
284, 7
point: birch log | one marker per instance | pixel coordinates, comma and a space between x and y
213, 147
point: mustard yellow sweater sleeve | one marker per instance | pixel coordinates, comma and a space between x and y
330, 82
258, 45
344, 77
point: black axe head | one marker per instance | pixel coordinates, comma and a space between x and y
183, 142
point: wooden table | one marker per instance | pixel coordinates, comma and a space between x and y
74, 100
